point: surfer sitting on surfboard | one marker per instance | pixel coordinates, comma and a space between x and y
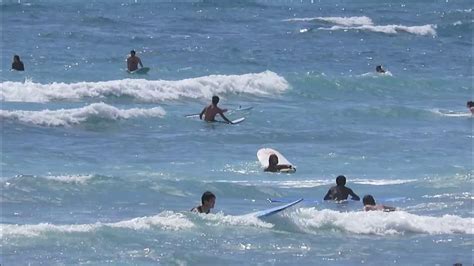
133, 61
212, 110
208, 200
340, 191
273, 165
369, 205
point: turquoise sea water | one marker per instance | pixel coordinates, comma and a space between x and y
101, 167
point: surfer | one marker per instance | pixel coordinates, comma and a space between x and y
379, 69
273, 165
470, 106
17, 63
133, 61
340, 191
208, 200
369, 205
212, 110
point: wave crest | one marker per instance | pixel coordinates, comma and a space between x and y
142, 90
69, 117
345, 21
166, 220
380, 223
428, 29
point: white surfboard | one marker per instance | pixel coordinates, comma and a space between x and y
264, 153
139, 71
230, 111
235, 121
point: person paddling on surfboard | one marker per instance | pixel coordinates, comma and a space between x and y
212, 110
340, 191
369, 205
273, 165
133, 61
208, 200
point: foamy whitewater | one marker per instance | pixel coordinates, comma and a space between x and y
102, 167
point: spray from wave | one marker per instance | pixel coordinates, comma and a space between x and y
70, 117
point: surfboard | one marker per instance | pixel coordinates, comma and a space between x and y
238, 120
285, 200
264, 153
272, 211
240, 109
235, 121
139, 71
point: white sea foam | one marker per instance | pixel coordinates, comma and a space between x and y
280, 183
265, 83
379, 223
239, 220
69, 117
167, 220
382, 182
451, 113
428, 29
344, 21
313, 182
81, 179
455, 196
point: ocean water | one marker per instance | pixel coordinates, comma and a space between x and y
101, 167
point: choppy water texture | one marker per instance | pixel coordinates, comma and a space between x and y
101, 167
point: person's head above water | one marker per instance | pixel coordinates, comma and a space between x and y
132, 52
470, 104
273, 160
368, 200
341, 180
16, 58
379, 69
215, 100
207, 196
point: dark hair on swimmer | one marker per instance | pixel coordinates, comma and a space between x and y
215, 100
368, 200
273, 159
132, 52
341, 180
16, 57
206, 196
470, 104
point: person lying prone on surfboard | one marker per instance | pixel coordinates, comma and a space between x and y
369, 205
212, 110
273, 165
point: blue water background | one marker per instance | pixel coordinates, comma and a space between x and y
93, 182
